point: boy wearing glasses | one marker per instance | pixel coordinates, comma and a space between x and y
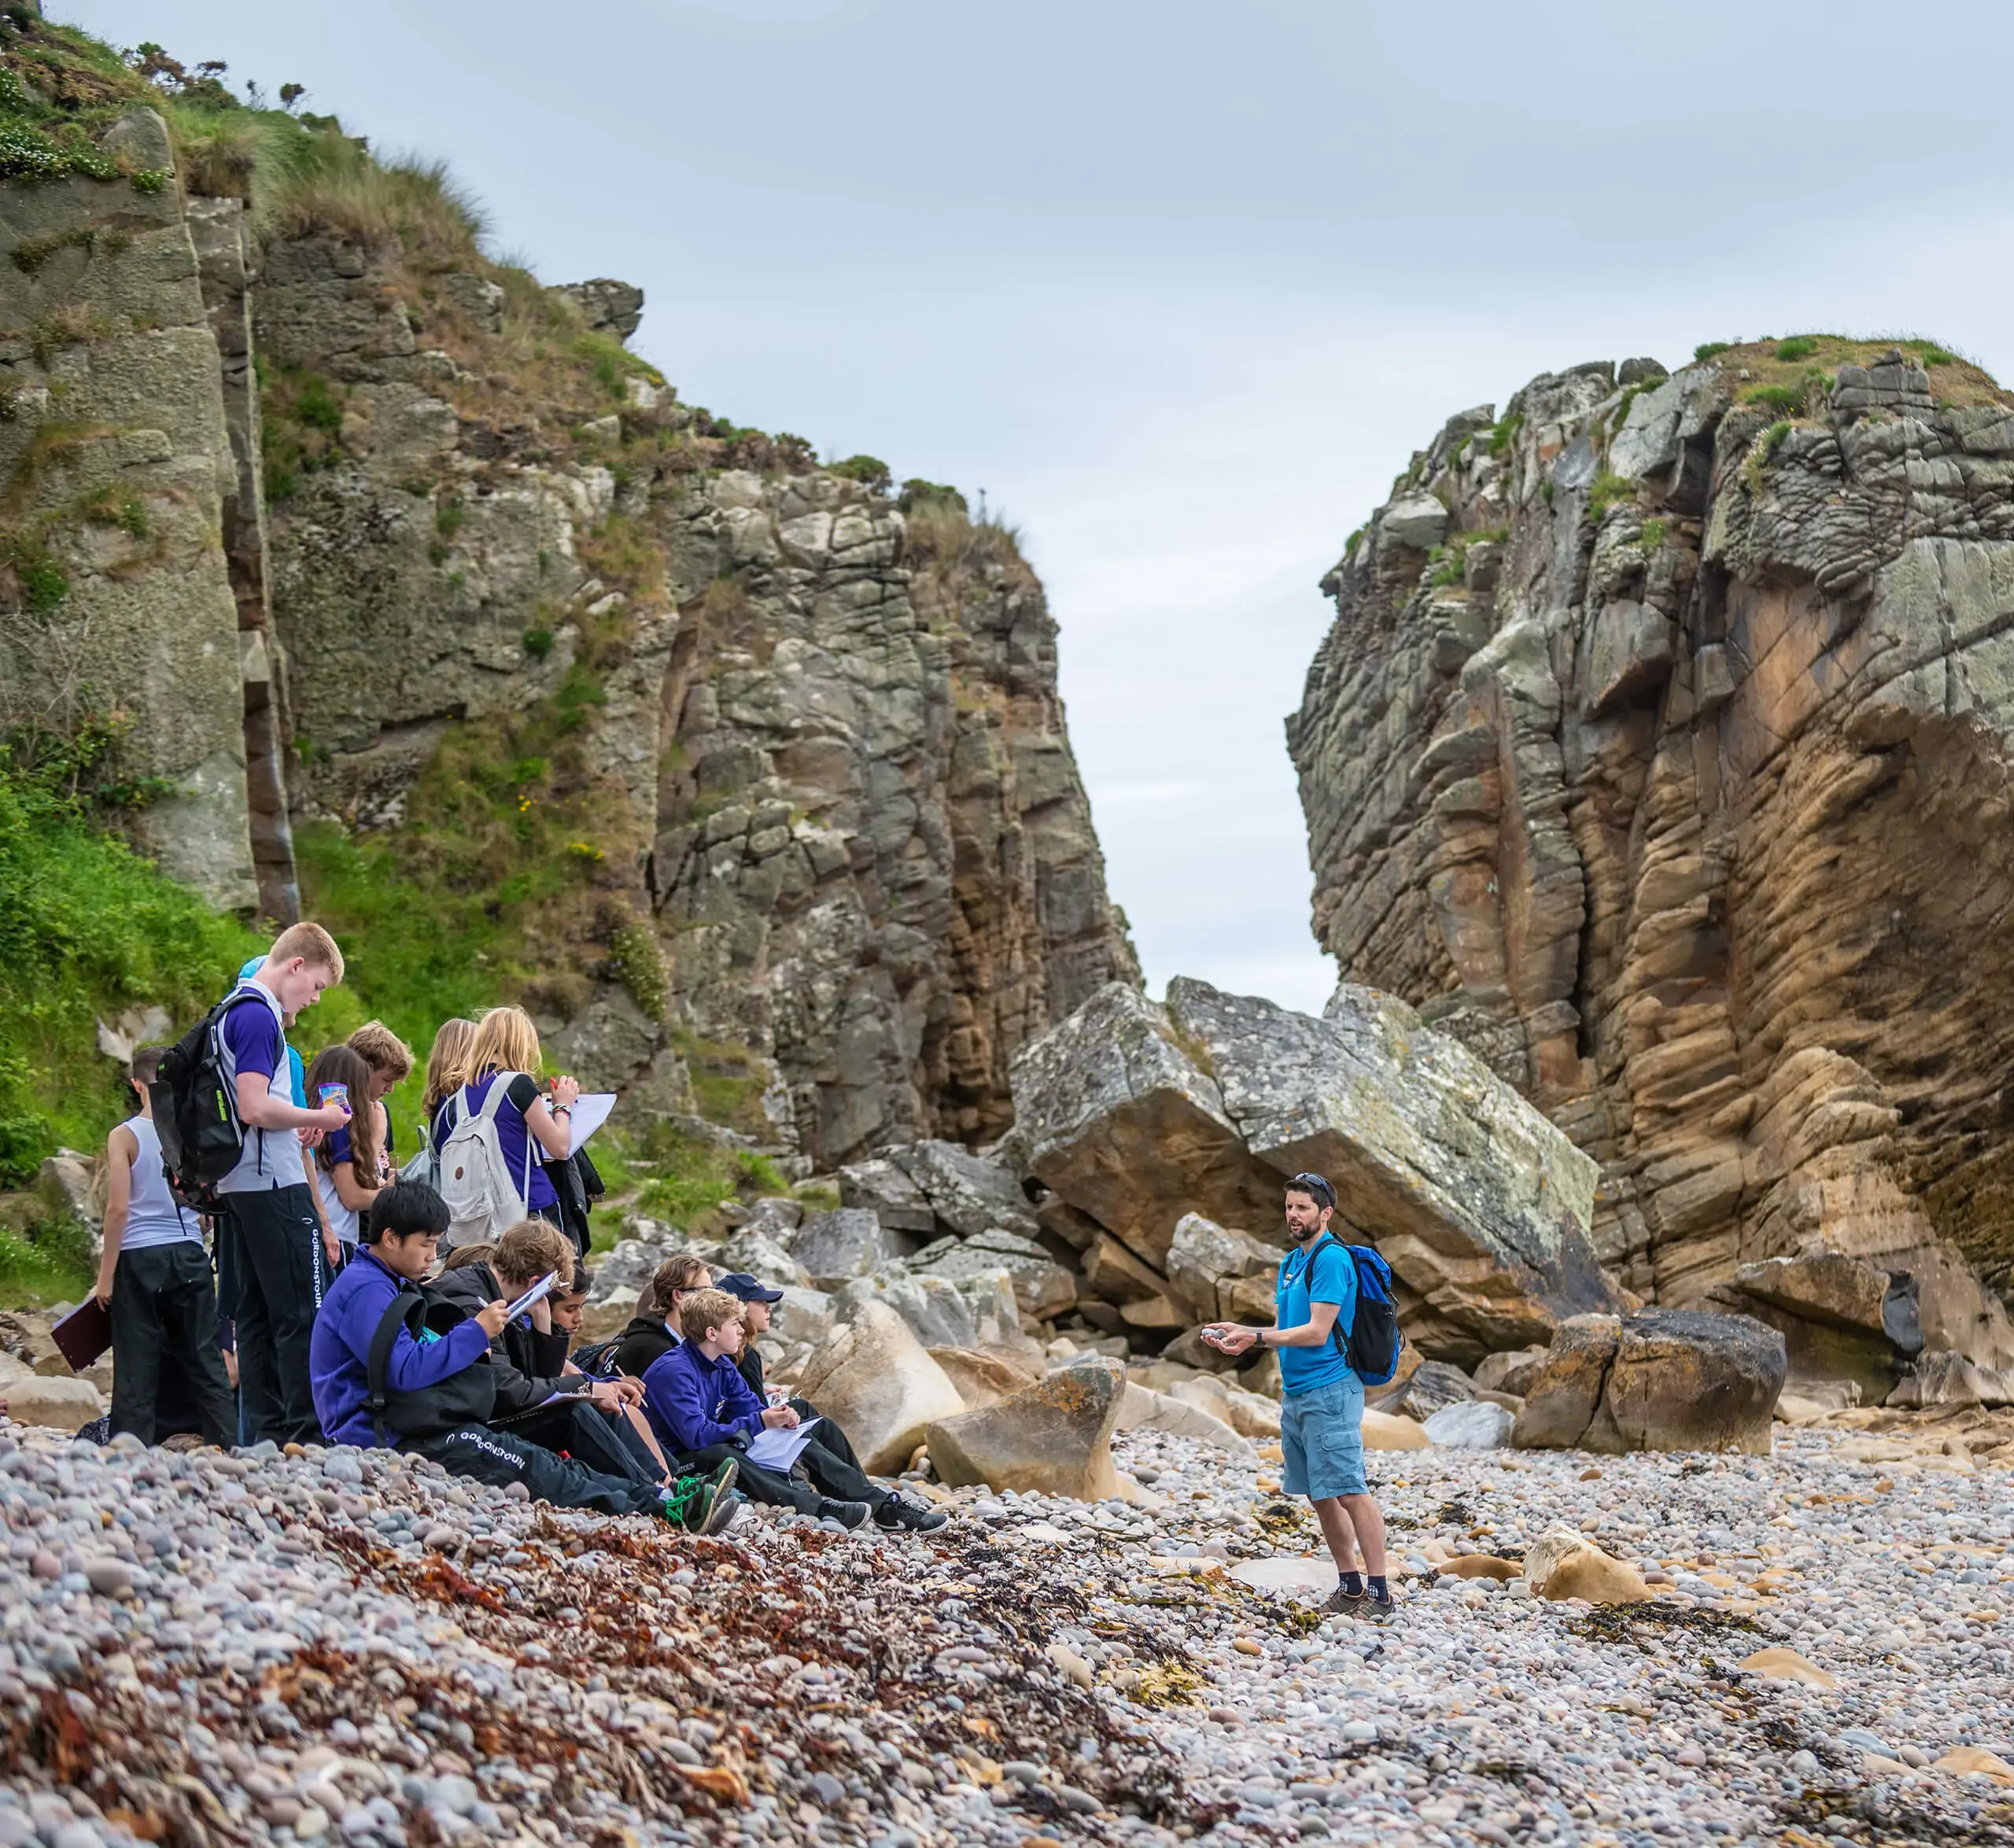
1322, 1407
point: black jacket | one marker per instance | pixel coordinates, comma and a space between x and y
527, 1364
749, 1364
645, 1340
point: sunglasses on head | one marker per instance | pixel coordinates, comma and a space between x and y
1313, 1185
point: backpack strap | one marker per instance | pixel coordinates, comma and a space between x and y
378, 1364
1336, 1332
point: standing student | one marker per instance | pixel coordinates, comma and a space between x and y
528, 1128
270, 1212
1321, 1399
390, 1061
348, 1167
447, 1072
155, 1280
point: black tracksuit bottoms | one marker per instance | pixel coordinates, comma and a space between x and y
503, 1457
281, 1275
828, 1459
164, 1308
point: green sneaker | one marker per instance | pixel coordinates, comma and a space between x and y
698, 1502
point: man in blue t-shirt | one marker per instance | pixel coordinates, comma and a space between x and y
1321, 1399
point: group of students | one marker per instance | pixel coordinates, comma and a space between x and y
343, 1308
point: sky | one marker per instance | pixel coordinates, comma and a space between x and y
1181, 286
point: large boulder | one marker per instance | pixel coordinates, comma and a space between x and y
1432, 1386
968, 1193
1125, 1125
754, 1253
833, 1248
1042, 1287
1141, 1408
1479, 1203
874, 1378
985, 1376
1054, 1437
1841, 1318
1561, 1564
1114, 1273
60, 1404
1661, 1379
882, 1188
934, 1308
1220, 1274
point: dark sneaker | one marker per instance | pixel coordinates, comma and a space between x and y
1344, 1603
727, 1510
895, 1513
846, 1513
1374, 1609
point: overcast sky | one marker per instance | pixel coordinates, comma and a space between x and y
1181, 286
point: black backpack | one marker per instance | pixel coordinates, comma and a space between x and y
598, 1358
195, 1115
464, 1398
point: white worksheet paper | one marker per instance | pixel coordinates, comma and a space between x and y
589, 1113
778, 1449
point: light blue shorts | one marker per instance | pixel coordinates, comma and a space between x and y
1321, 1435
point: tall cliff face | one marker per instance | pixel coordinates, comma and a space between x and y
1660, 749
753, 779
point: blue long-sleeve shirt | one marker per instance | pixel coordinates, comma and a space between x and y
693, 1402
339, 1351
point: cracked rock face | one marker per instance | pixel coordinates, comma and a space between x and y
1674, 784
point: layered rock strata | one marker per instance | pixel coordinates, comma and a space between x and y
1658, 752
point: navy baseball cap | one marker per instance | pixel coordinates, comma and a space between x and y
739, 1283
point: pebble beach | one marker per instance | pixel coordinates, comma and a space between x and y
209, 1648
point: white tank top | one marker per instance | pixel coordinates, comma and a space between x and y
154, 1217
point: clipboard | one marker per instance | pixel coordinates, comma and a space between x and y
538, 1292
83, 1335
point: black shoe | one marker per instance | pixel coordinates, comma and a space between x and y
1374, 1609
895, 1513
847, 1514
1344, 1602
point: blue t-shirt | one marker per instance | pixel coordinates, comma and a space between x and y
511, 1135
1305, 1370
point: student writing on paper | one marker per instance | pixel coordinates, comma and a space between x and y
838, 1468
536, 1398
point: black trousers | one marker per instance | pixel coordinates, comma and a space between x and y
827, 1460
608, 1446
281, 1277
502, 1457
164, 1308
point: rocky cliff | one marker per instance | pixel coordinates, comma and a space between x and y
399, 565
1659, 750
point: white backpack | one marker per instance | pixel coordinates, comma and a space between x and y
484, 1199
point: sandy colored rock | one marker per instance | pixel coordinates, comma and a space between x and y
1480, 1204
1141, 1405
63, 1404
986, 1376
1513, 1370
1483, 1565
874, 1378
1786, 1664
1054, 1437
1385, 1430
1221, 1274
1975, 1761
1561, 1397
1562, 1564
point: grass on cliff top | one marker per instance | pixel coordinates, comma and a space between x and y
1779, 371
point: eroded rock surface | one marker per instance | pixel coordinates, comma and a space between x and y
1670, 776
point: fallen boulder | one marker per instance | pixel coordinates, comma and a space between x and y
1475, 1424
1162, 1411
1432, 1386
1220, 1274
1054, 1437
1123, 1122
1562, 1564
968, 1193
934, 1308
1042, 1287
1512, 1370
1480, 1205
879, 1186
1840, 1318
1385, 1430
985, 1376
833, 1248
1942, 1377
874, 1378
1661, 1379
61, 1404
